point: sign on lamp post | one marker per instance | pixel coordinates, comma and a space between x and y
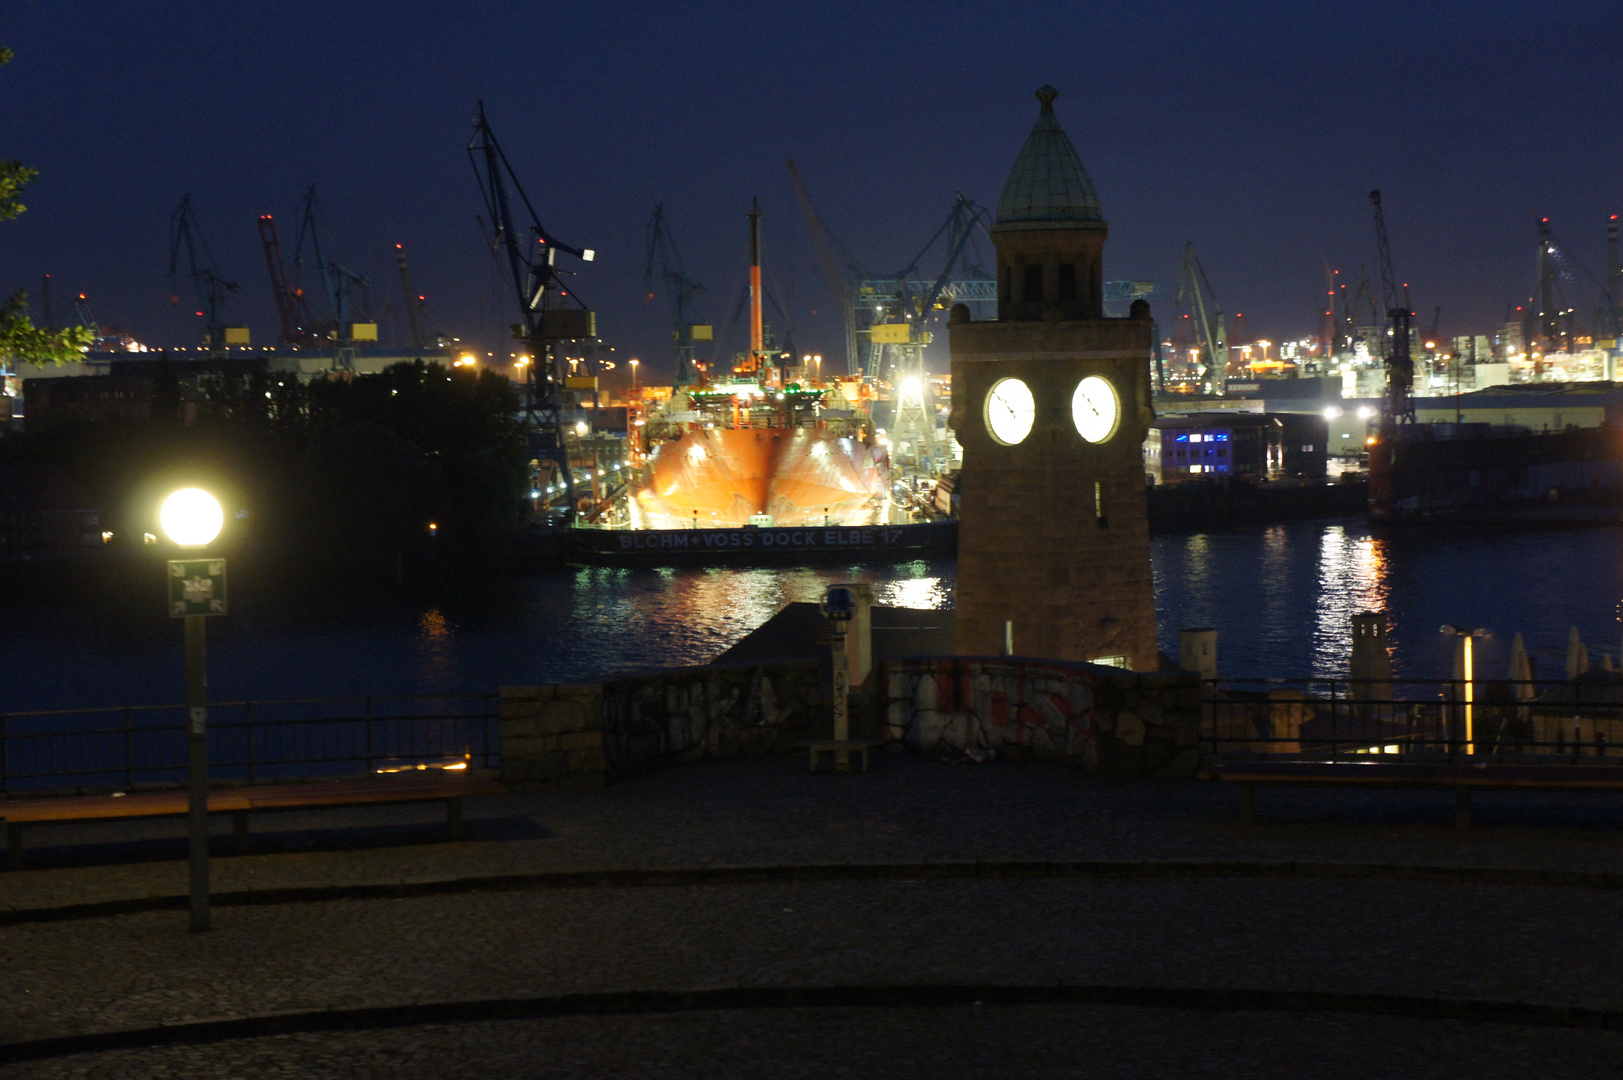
192, 518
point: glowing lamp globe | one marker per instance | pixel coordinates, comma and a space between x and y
191, 517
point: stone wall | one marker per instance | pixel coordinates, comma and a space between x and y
712, 712
1118, 724
580, 734
552, 736
1112, 722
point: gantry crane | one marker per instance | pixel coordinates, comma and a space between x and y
1211, 330
665, 263
213, 291
551, 313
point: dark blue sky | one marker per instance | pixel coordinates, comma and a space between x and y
1255, 129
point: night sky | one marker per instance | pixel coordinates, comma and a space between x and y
1254, 129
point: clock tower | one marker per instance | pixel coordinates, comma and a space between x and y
1051, 403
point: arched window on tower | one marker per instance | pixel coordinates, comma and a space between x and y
1067, 283
1034, 283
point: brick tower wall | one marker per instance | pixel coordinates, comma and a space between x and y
1031, 547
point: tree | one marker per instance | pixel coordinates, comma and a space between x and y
20, 339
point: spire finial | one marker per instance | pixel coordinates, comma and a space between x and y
1046, 95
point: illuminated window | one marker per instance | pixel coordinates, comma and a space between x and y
1111, 661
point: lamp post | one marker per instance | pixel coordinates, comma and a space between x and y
1466, 635
840, 607
634, 363
192, 518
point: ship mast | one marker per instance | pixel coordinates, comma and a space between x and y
757, 323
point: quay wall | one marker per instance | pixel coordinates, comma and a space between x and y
1109, 722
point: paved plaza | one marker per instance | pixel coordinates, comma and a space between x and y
744, 918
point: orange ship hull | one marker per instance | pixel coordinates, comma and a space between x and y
723, 477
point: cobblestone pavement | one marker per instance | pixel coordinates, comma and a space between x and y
1103, 1042
771, 812
1546, 944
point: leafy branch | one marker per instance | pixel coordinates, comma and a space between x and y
20, 339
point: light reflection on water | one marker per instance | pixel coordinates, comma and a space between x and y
1280, 597
1351, 580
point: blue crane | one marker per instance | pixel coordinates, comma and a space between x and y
338, 282
213, 291
665, 263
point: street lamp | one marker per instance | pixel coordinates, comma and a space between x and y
634, 363
192, 518
839, 608
1466, 634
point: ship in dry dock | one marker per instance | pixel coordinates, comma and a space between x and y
767, 461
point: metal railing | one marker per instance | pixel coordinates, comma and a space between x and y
1544, 720
134, 745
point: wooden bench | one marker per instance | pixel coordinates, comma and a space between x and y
1460, 777
437, 786
841, 749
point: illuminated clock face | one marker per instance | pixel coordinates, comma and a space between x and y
1095, 409
1010, 411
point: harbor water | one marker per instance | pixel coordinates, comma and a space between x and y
1281, 598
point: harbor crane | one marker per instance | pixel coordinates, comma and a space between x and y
1611, 320
213, 291
1398, 405
837, 267
551, 313
1556, 317
292, 309
867, 300
896, 348
415, 303
1211, 331
664, 263
339, 283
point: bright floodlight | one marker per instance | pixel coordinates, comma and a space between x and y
191, 517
